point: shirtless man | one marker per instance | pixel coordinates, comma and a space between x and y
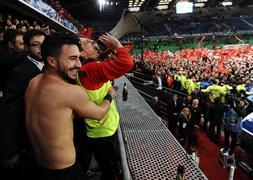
51, 104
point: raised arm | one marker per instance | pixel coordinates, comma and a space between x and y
109, 69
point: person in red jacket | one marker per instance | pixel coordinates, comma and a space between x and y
170, 81
95, 76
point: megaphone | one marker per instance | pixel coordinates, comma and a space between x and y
128, 23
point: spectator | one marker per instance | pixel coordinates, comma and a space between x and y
184, 120
21, 27
158, 80
194, 124
13, 142
156, 106
187, 101
195, 111
9, 25
233, 125
11, 54
174, 108
216, 113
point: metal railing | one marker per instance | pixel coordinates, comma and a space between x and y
150, 150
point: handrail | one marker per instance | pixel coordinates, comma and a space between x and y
124, 163
150, 96
163, 87
148, 76
163, 107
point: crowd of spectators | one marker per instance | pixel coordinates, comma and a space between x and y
231, 66
8, 22
213, 79
54, 10
12, 30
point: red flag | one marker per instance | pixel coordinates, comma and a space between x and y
147, 54
129, 47
89, 32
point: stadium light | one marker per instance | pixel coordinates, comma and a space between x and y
135, 3
227, 3
101, 2
161, 7
200, 1
199, 4
183, 7
134, 9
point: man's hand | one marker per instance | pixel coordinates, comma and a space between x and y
112, 92
110, 42
10, 163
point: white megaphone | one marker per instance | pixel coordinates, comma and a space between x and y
128, 23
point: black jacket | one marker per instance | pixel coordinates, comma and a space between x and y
12, 109
8, 61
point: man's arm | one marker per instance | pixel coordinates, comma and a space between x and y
112, 68
207, 90
109, 69
83, 107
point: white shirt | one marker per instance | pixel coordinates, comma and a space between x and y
40, 65
159, 83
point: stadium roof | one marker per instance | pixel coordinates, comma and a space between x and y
90, 10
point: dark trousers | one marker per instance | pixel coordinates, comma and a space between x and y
215, 136
74, 172
9, 173
81, 144
172, 123
22, 170
231, 145
182, 132
192, 135
106, 153
206, 120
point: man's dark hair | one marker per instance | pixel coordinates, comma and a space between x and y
30, 34
10, 36
19, 26
53, 43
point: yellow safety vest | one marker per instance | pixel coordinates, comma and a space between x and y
109, 124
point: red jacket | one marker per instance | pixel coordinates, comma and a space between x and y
96, 73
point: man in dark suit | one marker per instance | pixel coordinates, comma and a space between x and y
11, 54
156, 106
157, 80
13, 139
174, 108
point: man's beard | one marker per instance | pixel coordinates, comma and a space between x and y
63, 74
36, 57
